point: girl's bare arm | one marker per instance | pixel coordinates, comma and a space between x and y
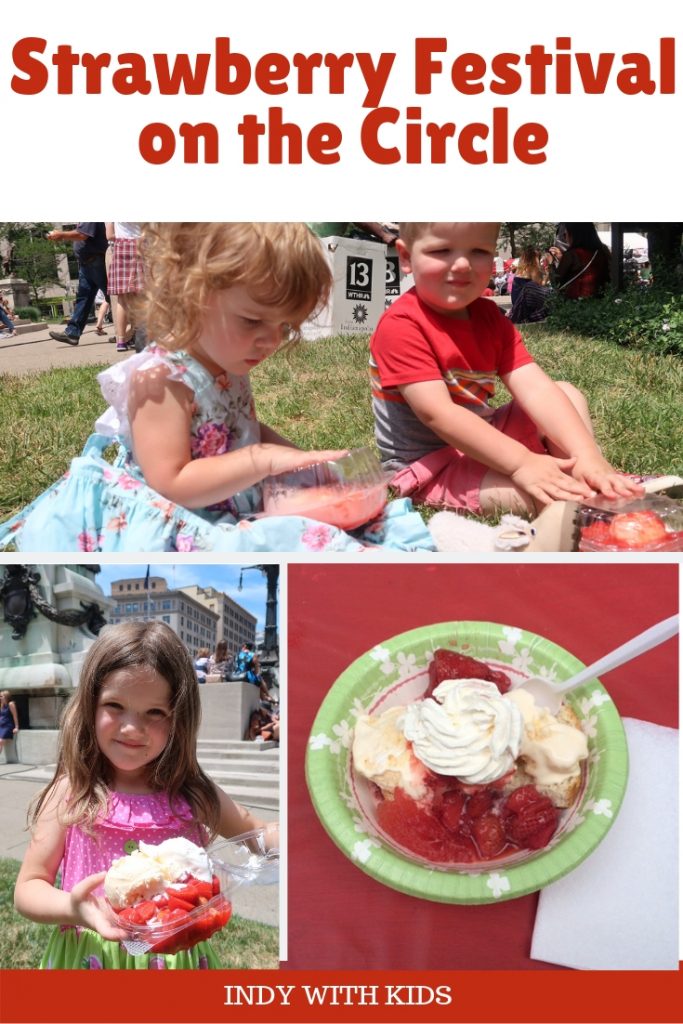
35, 895
161, 417
236, 819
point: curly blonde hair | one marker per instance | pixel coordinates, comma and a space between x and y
280, 264
81, 762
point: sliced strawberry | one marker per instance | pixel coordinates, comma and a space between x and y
191, 890
529, 818
454, 665
451, 808
140, 913
479, 803
176, 903
522, 797
489, 834
170, 915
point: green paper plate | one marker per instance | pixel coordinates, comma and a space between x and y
396, 672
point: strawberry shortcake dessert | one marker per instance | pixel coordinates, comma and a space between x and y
472, 772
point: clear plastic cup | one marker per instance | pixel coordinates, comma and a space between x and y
345, 493
164, 934
253, 857
651, 523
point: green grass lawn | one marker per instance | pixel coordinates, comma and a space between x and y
243, 945
318, 395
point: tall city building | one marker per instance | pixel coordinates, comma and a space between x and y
235, 624
136, 598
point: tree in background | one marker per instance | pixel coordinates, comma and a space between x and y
28, 254
520, 236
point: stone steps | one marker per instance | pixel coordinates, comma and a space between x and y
28, 326
249, 775
248, 772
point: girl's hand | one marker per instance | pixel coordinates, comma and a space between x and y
88, 910
283, 459
547, 479
596, 472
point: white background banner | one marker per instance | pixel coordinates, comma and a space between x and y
610, 155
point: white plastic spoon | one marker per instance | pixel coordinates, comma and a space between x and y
549, 695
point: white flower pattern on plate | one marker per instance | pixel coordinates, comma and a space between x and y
522, 660
407, 664
513, 634
319, 742
345, 735
589, 726
356, 708
600, 807
498, 884
362, 850
379, 653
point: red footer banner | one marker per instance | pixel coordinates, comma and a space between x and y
266, 997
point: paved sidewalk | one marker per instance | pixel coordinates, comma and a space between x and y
35, 351
255, 902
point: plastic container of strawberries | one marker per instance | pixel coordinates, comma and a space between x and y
182, 917
651, 523
346, 492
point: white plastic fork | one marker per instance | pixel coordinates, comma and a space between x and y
549, 695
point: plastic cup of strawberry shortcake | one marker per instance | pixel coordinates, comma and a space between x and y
185, 913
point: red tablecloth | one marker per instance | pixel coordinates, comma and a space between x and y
338, 916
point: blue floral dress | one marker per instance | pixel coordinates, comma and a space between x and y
99, 506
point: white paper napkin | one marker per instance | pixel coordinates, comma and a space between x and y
619, 909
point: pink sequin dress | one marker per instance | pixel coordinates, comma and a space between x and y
129, 819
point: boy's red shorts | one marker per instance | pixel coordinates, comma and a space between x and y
448, 477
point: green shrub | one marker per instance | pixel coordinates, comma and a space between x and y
646, 318
28, 313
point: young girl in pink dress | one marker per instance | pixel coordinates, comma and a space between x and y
127, 771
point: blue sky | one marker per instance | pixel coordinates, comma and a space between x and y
222, 577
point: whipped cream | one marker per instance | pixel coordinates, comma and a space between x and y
466, 729
179, 857
151, 869
382, 754
552, 749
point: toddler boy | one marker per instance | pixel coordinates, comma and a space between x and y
435, 357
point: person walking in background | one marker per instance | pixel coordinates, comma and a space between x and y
126, 280
9, 719
90, 245
6, 320
102, 306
